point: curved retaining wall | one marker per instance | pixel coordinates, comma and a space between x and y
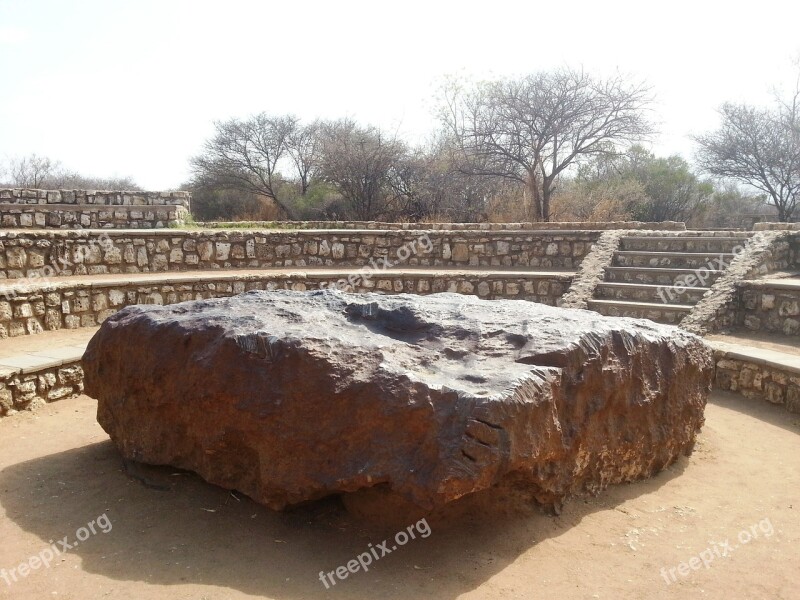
70, 305
61, 253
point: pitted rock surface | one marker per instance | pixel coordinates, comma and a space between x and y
292, 396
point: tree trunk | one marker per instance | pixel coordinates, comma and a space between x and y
547, 192
290, 215
536, 206
782, 216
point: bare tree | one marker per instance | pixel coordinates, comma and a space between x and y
304, 147
533, 128
408, 179
32, 171
358, 161
759, 147
75, 181
430, 183
41, 172
246, 154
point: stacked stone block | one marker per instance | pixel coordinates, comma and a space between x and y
89, 209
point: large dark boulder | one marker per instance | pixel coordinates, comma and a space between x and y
291, 396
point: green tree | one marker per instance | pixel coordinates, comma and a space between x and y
636, 185
673, 191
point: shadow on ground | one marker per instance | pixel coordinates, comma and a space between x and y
773, 414
197, 533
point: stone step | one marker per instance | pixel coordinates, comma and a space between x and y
661, 313
35, 370
675, 260
638, 292
758, 370
684, 243
661, 276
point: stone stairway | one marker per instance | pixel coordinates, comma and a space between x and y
662, 277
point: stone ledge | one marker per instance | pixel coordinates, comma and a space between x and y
776, 227
557, 234
33, 362
39, 382
12, 287
388, 226
791, 284
757, 356
758, 373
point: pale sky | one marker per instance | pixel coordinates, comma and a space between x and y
115, 88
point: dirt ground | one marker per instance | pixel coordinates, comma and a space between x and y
172, 536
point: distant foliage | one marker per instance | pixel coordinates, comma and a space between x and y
41, 172
638, 185
557, 144
759, 148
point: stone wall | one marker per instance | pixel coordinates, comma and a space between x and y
794, 251
71, 305
757, 379
772, 307
94, 197
35, 254
385, 226
765, 252
20, 391
89, 209
64, 216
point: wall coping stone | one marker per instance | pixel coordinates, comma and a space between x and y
776, 227
83, 282
758, 356
384, 225
175, 232
772, 284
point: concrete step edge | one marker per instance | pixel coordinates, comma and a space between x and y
180, 277
673, 254
33, 362
662, 270
642, 305
641, 286
759, 356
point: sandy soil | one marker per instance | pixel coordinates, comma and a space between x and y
58, 472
